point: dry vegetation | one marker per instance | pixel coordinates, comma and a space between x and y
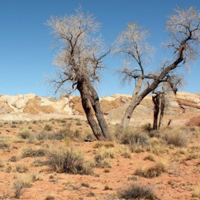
60, 159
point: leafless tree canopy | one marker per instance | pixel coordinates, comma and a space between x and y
184, 39
80, 48
184, 29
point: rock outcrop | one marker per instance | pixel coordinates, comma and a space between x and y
183, 107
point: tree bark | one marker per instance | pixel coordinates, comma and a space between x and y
133, 104
156, 101
162, 108
94, 99
83, 89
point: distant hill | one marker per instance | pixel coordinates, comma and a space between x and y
181, 109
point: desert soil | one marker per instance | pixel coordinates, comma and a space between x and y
179, 180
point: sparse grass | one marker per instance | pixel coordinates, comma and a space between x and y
30, 152
4, 143
48, 127
137, 192
65, 160
106, 144
146, 127
21, 168
13, 159
42, 136
25, 134
103, 156
134, 139
78, 122
176, 137
88, 136
151, 171
1, 164
20, 184
125, 151
50, 197
149, 157
196, 192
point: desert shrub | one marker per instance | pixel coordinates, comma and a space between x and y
68, 161
151, 171
176, 138
196, 192
13, 159
48, 127
39, 163
1, 164
115, 132
146, 127
149, 157
42, 136
103, 156
88, 137
4, 144
20, 184
155, 133
78, 122
21, 168
50, 197
106, 144
30, 152
137, 192
67, 132
25, 134
134, 138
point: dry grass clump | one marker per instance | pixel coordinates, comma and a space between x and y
196, 192
66, 160
30, 152
106, 144
103, 156
149, 157
134, 139
124, 151
137, 192
48, 127
21, 168
65, 132
158, 146
151, 171
20, 184
176, 137
1, 164
24, 134
4, 143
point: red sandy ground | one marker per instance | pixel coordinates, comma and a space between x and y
177, 183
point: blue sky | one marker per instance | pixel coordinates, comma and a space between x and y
26, 53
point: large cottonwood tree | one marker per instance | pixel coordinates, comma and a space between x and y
184, 37
79, 60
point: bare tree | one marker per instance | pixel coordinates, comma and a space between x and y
184, 33
159, 98
79, 61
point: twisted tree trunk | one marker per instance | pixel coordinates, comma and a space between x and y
94, 99
83, 89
